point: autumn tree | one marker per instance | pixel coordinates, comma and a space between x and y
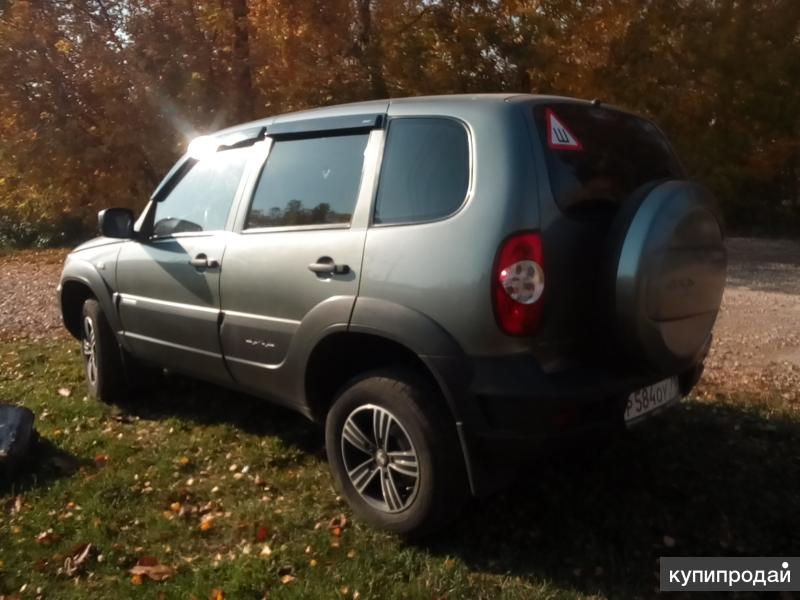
99, 97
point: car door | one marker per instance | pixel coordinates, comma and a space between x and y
293, 266
168, 281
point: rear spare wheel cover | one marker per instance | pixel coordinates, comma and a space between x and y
670, 275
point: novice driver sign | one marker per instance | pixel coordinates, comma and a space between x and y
559, 137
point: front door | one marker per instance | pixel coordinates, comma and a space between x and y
295, 263
168, 284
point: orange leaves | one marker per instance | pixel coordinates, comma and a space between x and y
206, 524
337, 525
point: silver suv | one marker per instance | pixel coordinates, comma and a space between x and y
443, 282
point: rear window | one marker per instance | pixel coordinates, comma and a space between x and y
425, 172
597, 156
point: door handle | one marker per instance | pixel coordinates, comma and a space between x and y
326, 266
201, 261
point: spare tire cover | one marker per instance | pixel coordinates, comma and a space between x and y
669, 265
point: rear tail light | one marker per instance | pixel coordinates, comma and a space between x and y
518, 284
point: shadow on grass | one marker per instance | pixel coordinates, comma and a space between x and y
701, 480
207, 404
45, 464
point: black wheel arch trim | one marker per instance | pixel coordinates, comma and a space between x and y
85, 274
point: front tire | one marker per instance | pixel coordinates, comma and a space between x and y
394, 452
105, 377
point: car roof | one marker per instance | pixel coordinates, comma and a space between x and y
382, 106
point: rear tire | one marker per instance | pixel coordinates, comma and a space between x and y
102, 360
394, 452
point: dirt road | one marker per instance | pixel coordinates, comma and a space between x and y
757, 337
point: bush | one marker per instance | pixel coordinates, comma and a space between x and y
16, 232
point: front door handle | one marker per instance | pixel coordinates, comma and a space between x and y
201, 261
326, 266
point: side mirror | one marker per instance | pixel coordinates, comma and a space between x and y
116, 223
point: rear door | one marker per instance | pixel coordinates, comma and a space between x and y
295, 261
594, 158
168, 283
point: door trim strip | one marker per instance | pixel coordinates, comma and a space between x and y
133, 299
145, 338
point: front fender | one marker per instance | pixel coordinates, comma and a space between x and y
94, 271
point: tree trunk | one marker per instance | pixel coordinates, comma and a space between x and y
370, 51
243, 78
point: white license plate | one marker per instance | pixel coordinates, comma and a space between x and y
646, 400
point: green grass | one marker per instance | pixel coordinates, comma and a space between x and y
713, 477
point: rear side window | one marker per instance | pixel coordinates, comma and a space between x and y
310, 181
202, 199
597, 156
425, 170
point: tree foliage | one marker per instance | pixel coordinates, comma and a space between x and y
98, 97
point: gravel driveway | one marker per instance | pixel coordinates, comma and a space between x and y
757, 337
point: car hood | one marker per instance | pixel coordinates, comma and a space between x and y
96, 243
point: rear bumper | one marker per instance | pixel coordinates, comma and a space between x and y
509, 408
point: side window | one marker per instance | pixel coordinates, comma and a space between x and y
425, 171
312, 181
202, 199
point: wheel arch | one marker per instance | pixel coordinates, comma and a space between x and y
380, 334
340, 356
79, 284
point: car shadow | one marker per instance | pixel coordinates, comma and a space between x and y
701, 480
45, 464
207, 404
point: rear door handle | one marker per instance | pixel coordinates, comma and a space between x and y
201, 261
326, 266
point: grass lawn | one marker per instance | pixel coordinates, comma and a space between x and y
234, 496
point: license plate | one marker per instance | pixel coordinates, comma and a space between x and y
649, 399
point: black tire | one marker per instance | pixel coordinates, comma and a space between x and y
423, 504
102, 360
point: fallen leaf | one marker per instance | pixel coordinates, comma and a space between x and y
136, 579
75, 561
338, 523
286, 579
207, 524
262, 534
64, 392
101, 460
14, 505
217, 594
155, 572
47, 537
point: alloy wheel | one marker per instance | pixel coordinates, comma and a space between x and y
89, 348
380, 459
